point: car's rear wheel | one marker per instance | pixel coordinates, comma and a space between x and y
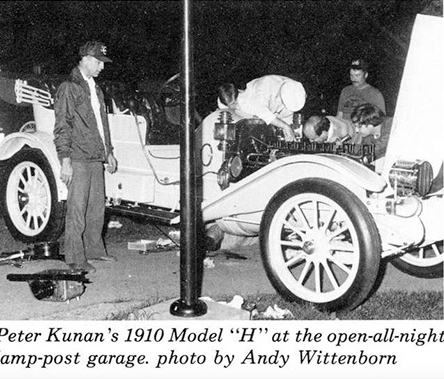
29, 203
423, 262
320, 245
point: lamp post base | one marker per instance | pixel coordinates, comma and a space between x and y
182, 309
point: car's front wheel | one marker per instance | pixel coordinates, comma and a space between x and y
320, 245
29, 203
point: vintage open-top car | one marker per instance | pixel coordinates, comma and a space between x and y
325, 214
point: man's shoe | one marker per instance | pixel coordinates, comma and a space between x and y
104, 258
85, 266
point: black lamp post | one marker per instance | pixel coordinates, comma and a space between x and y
188, 305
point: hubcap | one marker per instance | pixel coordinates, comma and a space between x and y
28, 198
309, 247
315, 247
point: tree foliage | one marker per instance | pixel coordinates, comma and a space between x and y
312, 41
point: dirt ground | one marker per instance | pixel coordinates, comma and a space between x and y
138, 280
133, 282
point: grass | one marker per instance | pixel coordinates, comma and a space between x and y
390, 305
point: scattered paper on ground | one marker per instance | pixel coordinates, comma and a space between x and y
142, 245
276, 313
174, 235
165, 242
208, 263
114, 224
236, 302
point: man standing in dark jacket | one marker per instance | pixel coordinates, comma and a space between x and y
83, 144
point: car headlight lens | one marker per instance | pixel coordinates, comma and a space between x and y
235, 166
230, 169
223, 176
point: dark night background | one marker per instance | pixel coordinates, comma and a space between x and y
311, 41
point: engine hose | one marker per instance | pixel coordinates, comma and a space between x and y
149, 160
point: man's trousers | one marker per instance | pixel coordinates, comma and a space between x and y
85, 213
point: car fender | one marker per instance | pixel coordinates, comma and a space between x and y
252, 194
14, 142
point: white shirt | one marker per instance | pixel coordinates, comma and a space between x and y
262, 98
339, 128
95, 104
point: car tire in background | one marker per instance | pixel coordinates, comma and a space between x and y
28, 198
424, 262
320, 245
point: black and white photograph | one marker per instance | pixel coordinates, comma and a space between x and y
193, 188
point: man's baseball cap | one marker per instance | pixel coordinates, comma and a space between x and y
96, 49
359, 64
293, 95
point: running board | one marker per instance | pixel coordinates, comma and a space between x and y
150, 214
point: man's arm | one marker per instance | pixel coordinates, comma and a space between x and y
112, 164
380, 102
66, 171
103, 114
63, 128
288, 130
63, 132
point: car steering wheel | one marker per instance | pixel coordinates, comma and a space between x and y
173, 98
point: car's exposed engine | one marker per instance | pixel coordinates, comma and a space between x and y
251, 144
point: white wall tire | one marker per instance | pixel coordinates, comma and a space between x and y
320, 245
